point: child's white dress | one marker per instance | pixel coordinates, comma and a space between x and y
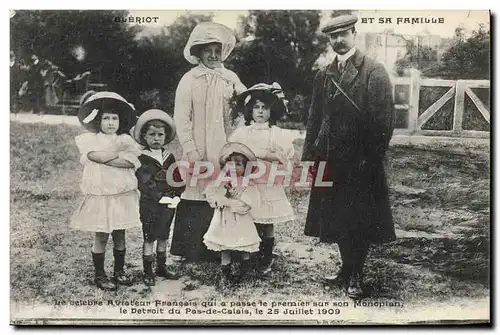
111, 199
229, 230
260, 138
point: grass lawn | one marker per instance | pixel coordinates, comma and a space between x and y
441, 207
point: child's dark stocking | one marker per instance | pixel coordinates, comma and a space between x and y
226, 277
101, 280
267, 260
98, 256
148, 259
149, 276
260, 232
267, 246
244, 266
161, 261
119, 250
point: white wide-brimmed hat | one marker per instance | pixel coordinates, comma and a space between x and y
210, 32
272, 93
153, 114
236, 147
105, 102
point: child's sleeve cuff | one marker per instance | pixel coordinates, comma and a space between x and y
84, 159
130, 158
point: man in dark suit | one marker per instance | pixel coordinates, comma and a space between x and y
349, 127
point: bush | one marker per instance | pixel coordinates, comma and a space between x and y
296, 108
149, 99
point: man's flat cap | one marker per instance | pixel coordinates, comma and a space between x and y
340, 23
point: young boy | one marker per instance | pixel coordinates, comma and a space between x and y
159, 196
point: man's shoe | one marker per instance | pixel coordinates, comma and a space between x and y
338, 279
355, 289
335, 280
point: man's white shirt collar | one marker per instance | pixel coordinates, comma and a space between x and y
347, 55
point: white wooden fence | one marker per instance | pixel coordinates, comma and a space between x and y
458, 89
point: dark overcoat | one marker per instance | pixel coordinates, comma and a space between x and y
353, 142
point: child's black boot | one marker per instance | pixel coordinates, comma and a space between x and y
101, 280
161, 267
149, 276
267, 255
226, 277
244, 268
119, 275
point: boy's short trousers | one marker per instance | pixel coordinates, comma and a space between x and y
156, 221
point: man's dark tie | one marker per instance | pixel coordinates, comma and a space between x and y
341, 66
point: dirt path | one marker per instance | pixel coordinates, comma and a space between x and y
398, 139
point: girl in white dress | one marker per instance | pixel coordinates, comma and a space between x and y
262, 105
232, 227
111, 202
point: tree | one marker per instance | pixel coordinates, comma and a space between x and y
165, 65
272, 46
54, 35
460, 34
417, 57
279, 46
467, 59
79, 41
